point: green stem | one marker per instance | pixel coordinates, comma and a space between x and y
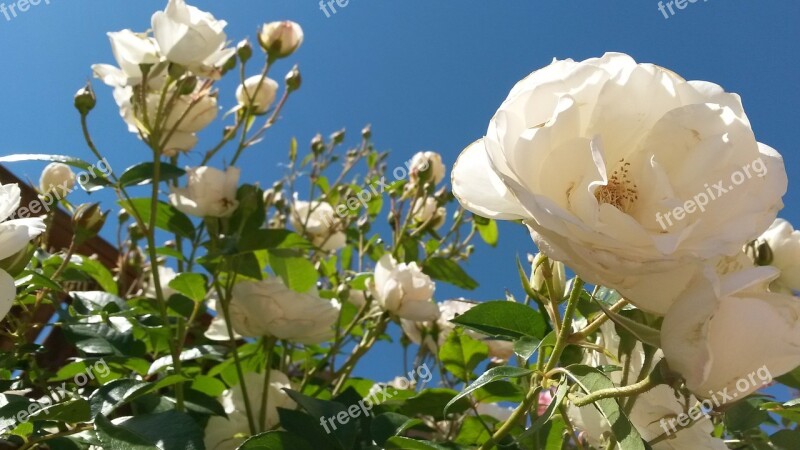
269, 346
625, 391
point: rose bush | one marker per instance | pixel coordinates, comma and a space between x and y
236, 316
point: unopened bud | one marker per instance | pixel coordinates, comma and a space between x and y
244, 50
338, 137
87, 221
764, 255
187, 85
366, 132
293, 79
317, 144
57, 178
280, 39
543, 268
85, 99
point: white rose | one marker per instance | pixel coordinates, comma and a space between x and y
427, 210
14, 237
262, 92
189, 36
280, 39
784, 243
220, 431
57, 178
318, 221
650, 407
734, 311
131, 50
191, 114
402, 289
427, 166
494, 410
209, 192
433, 334
269, 308
592, 155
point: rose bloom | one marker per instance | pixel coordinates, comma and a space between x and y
784, 245
191, 37
131, 50
261, 91
14, 237
595, 156
270, 308
318, 221
726, 332
220, 431
209, 193
434, 334
649, 408
403, 290
57, 178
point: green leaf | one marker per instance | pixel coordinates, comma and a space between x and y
526, 346
189, 354
98, 272
192, 285
297, 272
493, 374
261, 239
461, 354
745, 415
88, 302
166, 430
98, 177
118, 438
114, 394
404, 443
591, 380
389, 424
71, 411
435, 402
167, 217
275, 440
642, 332
142, 174
505, 319
344, 434
488, 231
449, 271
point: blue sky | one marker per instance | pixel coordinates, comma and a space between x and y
427, 76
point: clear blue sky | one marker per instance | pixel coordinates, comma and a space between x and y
427, 74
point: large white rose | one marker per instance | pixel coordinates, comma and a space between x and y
14, 237
131, 50
433, 334
220, 431
649, 408
270, 308
189, 36
727, 333
784, 243
318, 221
593, 155
209, 192
402, 289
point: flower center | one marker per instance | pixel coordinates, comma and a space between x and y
620, 192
